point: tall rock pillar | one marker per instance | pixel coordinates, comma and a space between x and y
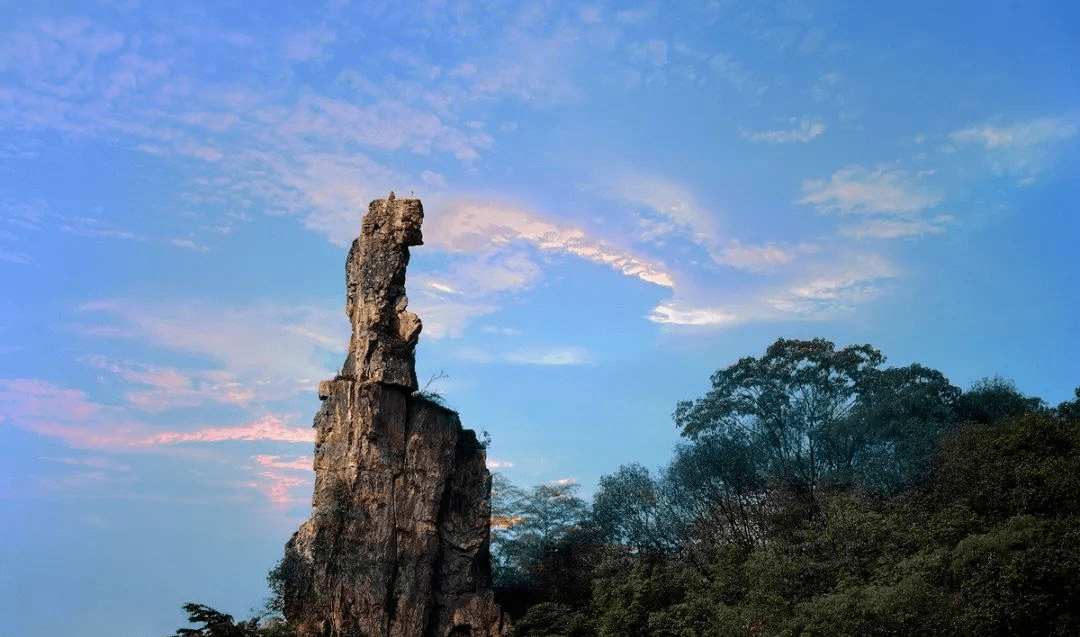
397, 545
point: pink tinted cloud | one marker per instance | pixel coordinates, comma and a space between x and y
68, 414
25, 398
42, 407
91, 462
45, 408
278, 484
302, 463
279, 488
171, 387
153, 375
268, 427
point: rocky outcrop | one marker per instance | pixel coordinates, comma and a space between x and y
398, 541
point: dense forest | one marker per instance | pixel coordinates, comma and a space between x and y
816, 492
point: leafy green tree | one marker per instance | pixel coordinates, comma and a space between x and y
218, 624
991, 400
552, 619
534, 521
540, 548
716, 491
1027, 465
887, 443
785, 402
1070, 409
507, 502
627, 510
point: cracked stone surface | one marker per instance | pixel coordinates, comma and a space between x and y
398, 541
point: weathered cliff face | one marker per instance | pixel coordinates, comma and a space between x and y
398, 541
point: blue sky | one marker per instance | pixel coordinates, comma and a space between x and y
621, 198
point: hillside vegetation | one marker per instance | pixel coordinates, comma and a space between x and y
815, 493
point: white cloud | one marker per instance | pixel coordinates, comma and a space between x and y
679, 214
891, 228
236, 338
590, 14
188, 244
1019, 135
493, 463
827, 291
552, 356
21, 258
308, 44
836, 289
1022, 148
671, 200
654, 51
466, 289
805, 132
825, 87
751, 257
447, 317
490, 225
433, 179
855, 189
332, 191
490, 245
502, 331
678, 313
563, 482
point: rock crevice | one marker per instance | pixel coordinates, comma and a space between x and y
398, 541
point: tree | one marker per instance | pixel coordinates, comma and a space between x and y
528, 523
992, 400
890, 438
218, 624
1070, 409
539, 552
784, 403
627, 510
715, 490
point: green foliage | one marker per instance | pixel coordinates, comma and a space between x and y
776, 434
820, 495
540, 548
784, 402
891, 437
534, 522
1070, 409
218, 624
992, 400
715, 491
1028, 465
627, 511
552, 619
807, 415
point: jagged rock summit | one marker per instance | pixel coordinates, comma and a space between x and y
397, 544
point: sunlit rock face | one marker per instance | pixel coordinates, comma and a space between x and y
397, 543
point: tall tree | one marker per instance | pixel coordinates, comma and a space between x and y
1070, 409
714, 491
627, 510
530, 523
784, 403
539, 552
991, 400
890, 437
